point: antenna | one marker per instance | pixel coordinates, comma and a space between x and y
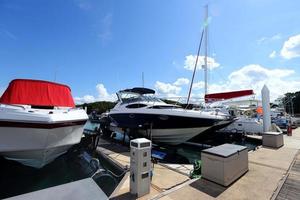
143, 81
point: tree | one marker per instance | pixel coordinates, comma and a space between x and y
99, 107
291, 102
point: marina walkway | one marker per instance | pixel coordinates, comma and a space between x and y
291, 186
270, 176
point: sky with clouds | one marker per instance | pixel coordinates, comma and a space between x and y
99, 47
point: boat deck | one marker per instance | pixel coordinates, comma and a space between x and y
270, 176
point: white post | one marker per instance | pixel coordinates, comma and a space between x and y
265, 95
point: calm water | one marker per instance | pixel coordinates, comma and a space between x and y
91, 126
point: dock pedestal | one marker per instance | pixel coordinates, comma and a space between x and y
272, 139
225, 163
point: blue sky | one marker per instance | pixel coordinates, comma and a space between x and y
99, 47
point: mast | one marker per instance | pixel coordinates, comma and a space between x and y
195, 68
204, 32
205, 44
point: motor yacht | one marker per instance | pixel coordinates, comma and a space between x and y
139, 113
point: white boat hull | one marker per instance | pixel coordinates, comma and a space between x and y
174, 136
37, 147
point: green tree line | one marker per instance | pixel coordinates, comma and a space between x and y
291, 102
99, 107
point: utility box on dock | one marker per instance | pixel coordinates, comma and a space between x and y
272, 139
140, 166
225, 163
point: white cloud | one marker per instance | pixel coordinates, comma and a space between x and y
291, 47
167, 89
255, 76
105, 33
84, 99
84, 4
102, 92
269, 39
190, 61
273, 54
102, 95
199, 85
181, 81
175, 92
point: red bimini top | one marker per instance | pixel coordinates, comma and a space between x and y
227, 95
37, 93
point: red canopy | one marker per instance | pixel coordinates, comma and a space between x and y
37, 93
227, 95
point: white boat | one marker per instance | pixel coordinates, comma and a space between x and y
245, 125
38, 122
137, 112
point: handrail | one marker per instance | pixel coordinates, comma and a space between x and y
20, 106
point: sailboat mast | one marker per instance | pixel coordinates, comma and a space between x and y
205, 44
195, 68
204, 32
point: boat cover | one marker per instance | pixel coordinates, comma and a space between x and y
227, 95
37, 93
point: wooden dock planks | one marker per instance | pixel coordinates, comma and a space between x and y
291, 187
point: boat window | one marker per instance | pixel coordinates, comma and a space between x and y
133, 97
164, 107
136, 105
43, 107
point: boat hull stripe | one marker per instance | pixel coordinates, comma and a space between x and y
41, 125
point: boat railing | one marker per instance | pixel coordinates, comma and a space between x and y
70, 109
194, 102
14, 105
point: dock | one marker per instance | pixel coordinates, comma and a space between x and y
291, 186
273, 174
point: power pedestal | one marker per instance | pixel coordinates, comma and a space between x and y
140, 166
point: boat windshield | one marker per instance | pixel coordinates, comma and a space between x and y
134, 97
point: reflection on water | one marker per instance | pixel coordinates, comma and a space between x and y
91, 126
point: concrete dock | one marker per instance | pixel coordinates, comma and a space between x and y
273, 174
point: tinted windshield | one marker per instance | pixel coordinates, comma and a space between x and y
133, 97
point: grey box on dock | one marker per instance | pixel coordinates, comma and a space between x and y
272, 139
225, 163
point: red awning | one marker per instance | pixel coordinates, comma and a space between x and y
37, 93
227, 95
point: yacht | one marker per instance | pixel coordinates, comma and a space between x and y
139, 113
38, 122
